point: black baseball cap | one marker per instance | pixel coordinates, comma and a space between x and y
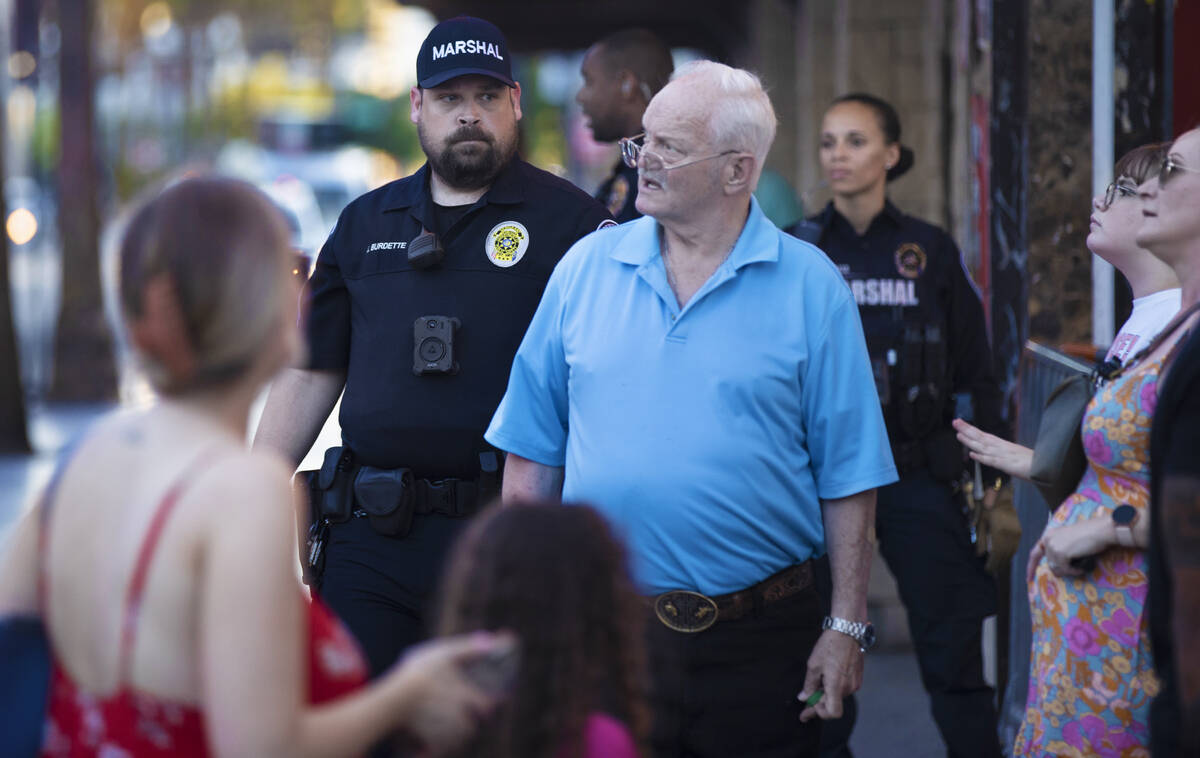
463, 45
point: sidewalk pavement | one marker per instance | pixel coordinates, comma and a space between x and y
893, 710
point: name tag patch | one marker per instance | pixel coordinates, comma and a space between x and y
376, 247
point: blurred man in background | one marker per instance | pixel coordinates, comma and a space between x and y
620, 74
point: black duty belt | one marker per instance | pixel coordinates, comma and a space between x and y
690, 612
448, 497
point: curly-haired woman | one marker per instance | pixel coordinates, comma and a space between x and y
556, 577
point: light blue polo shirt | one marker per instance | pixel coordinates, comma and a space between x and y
707, 435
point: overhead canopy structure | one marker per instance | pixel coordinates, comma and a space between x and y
717, 28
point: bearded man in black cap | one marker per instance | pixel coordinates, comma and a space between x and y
417, 304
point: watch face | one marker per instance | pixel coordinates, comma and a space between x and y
1124, 515
868, 637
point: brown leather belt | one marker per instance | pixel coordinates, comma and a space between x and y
690, 612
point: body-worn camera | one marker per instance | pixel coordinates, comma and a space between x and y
433, 345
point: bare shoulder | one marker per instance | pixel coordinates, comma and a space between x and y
243, 485
19, 565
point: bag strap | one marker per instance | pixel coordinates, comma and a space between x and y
137, 585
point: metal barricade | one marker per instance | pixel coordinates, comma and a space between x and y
1042, 369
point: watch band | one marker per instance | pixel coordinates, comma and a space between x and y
860, 631
1125, 535
1124, 517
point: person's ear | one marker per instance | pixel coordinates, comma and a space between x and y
629, 84
739, 172
160, 330
516, 99
891, 156
415, 101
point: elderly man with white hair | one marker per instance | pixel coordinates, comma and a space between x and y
702, 379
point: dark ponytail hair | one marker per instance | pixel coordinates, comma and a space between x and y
889, 123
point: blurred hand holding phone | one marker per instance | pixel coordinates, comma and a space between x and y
495, 672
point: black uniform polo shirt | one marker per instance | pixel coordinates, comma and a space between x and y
619, 193
905, 271
365, 297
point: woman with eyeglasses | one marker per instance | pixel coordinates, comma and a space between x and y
1116, 217
1092, 675
928, 343
1171, 230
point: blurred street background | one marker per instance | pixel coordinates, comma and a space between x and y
308, 100
1015, 109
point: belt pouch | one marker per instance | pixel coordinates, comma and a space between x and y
387, 497
330, 496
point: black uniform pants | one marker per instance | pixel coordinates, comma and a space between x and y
731, 689
381, 587
924, 538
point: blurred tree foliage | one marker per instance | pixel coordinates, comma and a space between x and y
308, 25
543, 138
379, 123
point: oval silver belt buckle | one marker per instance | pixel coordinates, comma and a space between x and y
685, 611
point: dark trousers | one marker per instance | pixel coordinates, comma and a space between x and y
381, 587
924, 538
731, 689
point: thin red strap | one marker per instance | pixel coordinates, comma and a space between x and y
133, 600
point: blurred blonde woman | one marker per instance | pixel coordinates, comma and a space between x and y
161, 561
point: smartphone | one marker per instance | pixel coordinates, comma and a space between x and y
496, 672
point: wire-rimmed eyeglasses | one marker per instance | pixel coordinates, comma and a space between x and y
632, 151
1170, 166
1115, 190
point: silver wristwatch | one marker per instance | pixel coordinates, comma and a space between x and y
861, 632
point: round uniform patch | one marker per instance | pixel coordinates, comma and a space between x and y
618, 194
506, 243
910, 260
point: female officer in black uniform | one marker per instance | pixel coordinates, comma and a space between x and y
928, 342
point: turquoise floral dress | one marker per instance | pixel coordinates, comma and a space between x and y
1091, 676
